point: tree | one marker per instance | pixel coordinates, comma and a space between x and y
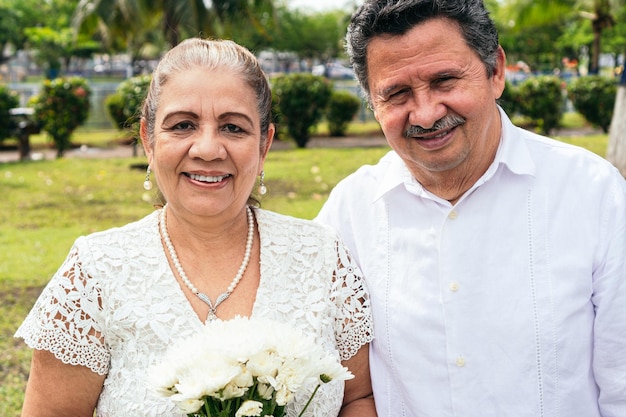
62, 106
317, 35
51, 47
179, 19
301, 103
10, 33
616, 152
533, 13
603, 15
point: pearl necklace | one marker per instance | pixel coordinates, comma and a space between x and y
181, 273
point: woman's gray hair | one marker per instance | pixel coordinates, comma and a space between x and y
209, 54
396, 17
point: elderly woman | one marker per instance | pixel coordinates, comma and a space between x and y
123, 296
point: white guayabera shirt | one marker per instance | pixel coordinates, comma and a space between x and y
512, 302
115, 307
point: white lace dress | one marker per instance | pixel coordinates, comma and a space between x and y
115, 307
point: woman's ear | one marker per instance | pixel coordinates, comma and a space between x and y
145, 140
268, 143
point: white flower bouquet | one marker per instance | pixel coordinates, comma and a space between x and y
243, 367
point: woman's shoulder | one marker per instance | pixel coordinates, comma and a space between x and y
284, 224
134, 233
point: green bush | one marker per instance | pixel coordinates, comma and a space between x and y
541, 99
124, 106
114, 104
342, 108
277, 118
594, 97
509, 100
8, 100
302, 100
62, 106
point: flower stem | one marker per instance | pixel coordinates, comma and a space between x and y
310, 399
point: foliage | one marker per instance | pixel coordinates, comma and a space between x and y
277, 118
51, 45
124, 106
16, 16
62, 106
594, 97
342, 108
114, 104
302, 100
10, 33
594, 17
127, 22
509, 100
541, 99
316, 35
8, 100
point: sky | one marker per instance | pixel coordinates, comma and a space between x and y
322, 5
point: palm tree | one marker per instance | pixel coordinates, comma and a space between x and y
602, 15
544, 12
179, 19
123, 25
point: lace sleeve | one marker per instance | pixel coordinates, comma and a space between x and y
353, 324
62, 321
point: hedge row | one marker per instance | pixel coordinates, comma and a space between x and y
542, 100
300, 101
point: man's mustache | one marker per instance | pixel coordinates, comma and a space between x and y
445, 123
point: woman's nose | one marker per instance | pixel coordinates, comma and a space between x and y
209, 145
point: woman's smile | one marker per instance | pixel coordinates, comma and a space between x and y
207, 178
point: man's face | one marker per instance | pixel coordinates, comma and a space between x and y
434, 101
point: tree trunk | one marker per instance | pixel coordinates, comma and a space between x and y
594, 63
616, 153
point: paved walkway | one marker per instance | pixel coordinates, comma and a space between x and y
126, 151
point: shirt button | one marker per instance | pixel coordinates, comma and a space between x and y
454, 286
460, 361
453, 215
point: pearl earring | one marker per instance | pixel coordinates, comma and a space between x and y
147, 184
262, 187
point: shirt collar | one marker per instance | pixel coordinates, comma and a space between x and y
512, 153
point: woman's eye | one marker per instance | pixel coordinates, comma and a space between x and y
231, 128
183, 126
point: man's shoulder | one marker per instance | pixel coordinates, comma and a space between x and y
558, 156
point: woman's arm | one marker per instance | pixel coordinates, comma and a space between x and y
56, 389
358, 400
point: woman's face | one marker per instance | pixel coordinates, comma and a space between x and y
206, 153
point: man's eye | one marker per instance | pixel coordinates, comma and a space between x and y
444, 81
396, 95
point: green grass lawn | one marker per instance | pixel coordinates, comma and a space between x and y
49, 203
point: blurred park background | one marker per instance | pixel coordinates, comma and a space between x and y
73, 168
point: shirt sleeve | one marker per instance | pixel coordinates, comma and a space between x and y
609, 299
63, 320
353, 322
